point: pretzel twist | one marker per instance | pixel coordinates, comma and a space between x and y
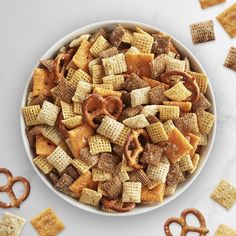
8, 188
134, 147
96, 106
190, 83
202, 230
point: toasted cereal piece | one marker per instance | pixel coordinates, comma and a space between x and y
70, 74
157, 95
117, 35
80, 165
11, 225
42, 163
80, 75
175, 175
139, 176
174, 50
83, 56
143, 42
205, 121
54, 176
158, 65
64, 90
177, 147
168, 112
130, 111
194, 141
109, 52
157, 132
224, 194
132, 50
78, 138
95, 36
153, 184
173, 64
67, 110
153, 195
87, 157
94, 62
112, 188
38, 100
170, 189
72, 122
59, 159
134, 82
161, 44
159, 172
47, 223
136, 122
30, 99
126, 98
227, 20
48, 114
110, 128
168, 126
149, 110
123, 176
187, 123
82, 91
230, 60
76, 42
84, 181
90, 197
42, 82
152, 154
99, 45
64, 183
100, 190
100, 175
106, 92
52, 134
178, 93
48, 64
187, 64
201, 79
30, 114
115, 80
224, 230
77, 108
108, 162
43, 146
97, 73
57, 102
152, 119
98, 144
141, 31
186, 163
135, 61
131, 192
183, 106
210, 3
153, 82
115, 64
122, 136
202, 32
195, 161
72, 172
139, 96
203, 139
127, 37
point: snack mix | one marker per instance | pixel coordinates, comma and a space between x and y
117, 119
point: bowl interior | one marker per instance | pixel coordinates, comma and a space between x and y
196, 66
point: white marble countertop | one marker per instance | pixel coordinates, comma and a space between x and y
29, 27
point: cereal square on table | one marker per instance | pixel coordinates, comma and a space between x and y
202, 32
47, 223
230, 60
224, 230
224, 194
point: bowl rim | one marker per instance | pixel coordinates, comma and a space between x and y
52, 49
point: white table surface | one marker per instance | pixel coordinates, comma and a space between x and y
29, 27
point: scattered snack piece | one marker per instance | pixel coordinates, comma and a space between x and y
230, 60
152, 154
47, 223
139, 96
210, 3
161, 44
136, 122
228, 21
30, 114
143, 42
205, 121
131, 192
157, 132
90, 197
181, 221
154, 195
64, 183
99, 144
224, 194
224, 230
202, 32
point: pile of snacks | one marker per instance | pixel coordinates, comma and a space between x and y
118, 118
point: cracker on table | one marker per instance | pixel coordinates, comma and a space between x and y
209, 3
230, 60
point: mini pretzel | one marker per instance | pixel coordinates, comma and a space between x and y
202, 230
134, 146
111, 205
190, 83
8, 188
95, 107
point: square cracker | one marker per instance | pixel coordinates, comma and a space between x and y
209, 3
224, 194
202, 32
228, 20
47, 223
230, 60
44, 147
224, 230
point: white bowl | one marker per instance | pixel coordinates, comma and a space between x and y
196, 67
